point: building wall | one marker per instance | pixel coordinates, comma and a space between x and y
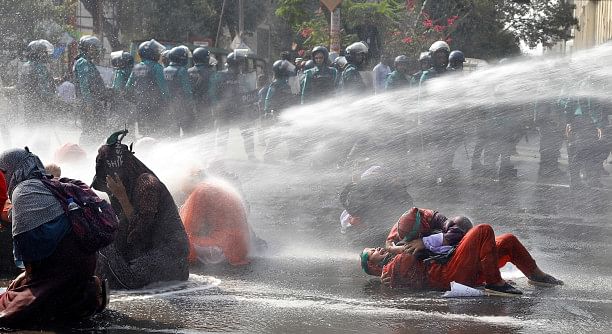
595, 22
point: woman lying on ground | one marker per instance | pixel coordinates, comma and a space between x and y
58, 282
151, 244
476, 261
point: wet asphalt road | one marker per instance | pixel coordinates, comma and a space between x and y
309, 281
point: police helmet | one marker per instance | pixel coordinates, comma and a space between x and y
356, 52
340, 63
322, 50
235, 59
309, 64
283, 68
179, 55
439, 46
150, 50
121, 59
90, 46
425, 59
456, 58
39, 50
401, 60
201, 56
164, 58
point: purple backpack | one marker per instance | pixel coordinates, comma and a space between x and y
94, 223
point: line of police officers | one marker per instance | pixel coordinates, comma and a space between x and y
497, 130
168, 100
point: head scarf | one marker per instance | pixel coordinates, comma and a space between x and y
116, 158
33, 204
19, 165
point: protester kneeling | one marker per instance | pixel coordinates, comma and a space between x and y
151, 244
215, 218
58, 283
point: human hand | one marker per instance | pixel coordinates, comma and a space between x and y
385, 279
115, 185
414, 246
17, 281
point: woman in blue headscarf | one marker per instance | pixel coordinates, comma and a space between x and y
58, 282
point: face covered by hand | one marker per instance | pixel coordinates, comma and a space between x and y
109, 161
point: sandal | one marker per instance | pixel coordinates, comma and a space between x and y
544, 280
505, 290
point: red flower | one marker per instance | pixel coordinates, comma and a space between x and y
451, 20
407, 40
427, 23
438, 28
306, 32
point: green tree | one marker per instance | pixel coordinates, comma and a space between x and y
23, 21
486, 29
26, 20
173, 20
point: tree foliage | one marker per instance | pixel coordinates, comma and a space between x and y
481, 28
175, 20
26, 20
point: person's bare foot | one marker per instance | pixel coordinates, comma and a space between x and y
544, 280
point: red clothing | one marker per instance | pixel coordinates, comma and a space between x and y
215, 215
4, 202
60, 287
3, 189
476, 260
406, 222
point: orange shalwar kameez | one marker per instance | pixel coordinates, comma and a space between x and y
476, 260
215, 215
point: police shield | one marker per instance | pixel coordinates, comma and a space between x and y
248, 94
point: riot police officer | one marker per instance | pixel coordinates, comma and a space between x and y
584, 129
356, 55
121, 110
455, 60
200, 76
232, 104
424, 65
122, 62
35, 83
181, 108
399, 77
278, 98
164, 59
439, 52
91, 90
149, 89
443, 135
320, 81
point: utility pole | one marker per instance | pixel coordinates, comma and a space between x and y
334, 31
220, 23
334, 24
240, 18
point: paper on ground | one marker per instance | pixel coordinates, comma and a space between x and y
460, 290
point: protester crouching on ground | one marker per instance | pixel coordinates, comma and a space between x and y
151, 244
58, 282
